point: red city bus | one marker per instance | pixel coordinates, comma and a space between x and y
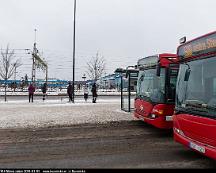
195, 112
154, 102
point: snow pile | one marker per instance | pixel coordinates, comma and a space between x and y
57, 93
21, 114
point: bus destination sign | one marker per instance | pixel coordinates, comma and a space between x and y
200, 46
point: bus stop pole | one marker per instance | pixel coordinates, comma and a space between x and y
121, 92
129, 93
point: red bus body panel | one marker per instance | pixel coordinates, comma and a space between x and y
165, 62
199, 130
144, 109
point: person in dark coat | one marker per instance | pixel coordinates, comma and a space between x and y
31, 90
94, 93
70, 91
86, 93
44, 90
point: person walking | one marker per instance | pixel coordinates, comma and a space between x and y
44, 90
94, 93
31, 90
86, 93
70, 91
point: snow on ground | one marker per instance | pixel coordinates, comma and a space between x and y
21, 114
57, 92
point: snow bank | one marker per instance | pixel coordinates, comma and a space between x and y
21, 114
57, 92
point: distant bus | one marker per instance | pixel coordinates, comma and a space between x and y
154, 102
195, 111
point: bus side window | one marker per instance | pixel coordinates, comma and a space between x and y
214, 87
210, 90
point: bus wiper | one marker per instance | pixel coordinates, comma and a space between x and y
194, 103
211, 107
199, 104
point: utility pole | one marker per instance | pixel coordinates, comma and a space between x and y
46, 74
37, 61
34, 61
74, 47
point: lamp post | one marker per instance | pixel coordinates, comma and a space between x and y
84, 77
74, 39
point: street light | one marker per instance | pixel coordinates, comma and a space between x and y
84, 77
74, 33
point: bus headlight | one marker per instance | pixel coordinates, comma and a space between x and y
153, 116
179, 131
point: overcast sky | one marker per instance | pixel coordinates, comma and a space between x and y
120, 30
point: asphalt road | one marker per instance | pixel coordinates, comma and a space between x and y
127, 144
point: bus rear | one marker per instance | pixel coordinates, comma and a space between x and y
195, 112
154, 102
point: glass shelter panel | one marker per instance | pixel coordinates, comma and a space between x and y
128, 91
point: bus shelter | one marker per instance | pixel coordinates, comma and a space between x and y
128, 83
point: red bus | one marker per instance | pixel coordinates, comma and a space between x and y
195, 112
154, 102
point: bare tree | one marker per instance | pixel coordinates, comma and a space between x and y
96, 67
8, 66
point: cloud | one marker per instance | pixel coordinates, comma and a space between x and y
121, 30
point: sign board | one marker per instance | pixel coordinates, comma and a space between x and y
197, 47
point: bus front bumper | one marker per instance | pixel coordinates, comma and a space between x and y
162, 122
199, 147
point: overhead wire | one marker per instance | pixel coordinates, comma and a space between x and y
60, 60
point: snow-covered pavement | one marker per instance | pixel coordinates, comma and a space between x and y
21, 114
56, 92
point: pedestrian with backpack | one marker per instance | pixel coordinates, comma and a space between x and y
86, 93
70, 92
94, 93
44, 90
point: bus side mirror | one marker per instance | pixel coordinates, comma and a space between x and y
187, 75
158, 70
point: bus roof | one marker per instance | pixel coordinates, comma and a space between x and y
203, 45
164, 59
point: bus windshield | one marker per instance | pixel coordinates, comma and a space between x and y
150, 86
196, 93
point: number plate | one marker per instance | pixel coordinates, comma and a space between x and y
197, 147
169, 118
